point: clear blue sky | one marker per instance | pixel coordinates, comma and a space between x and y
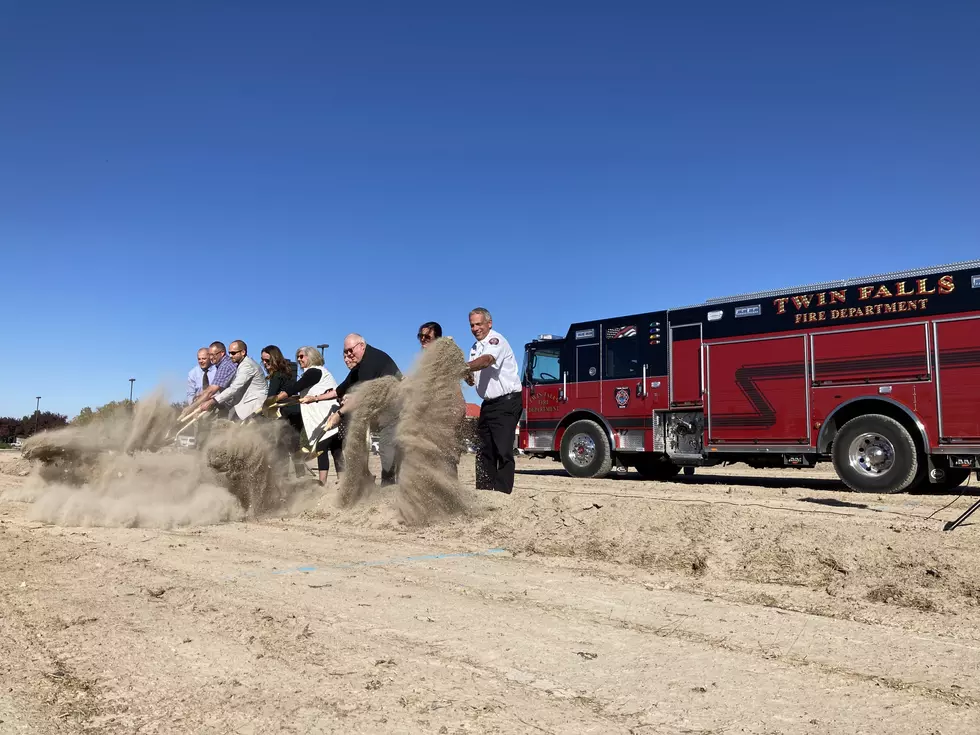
174, 173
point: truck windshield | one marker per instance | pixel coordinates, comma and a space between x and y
545, 364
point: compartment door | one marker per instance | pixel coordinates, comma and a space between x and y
686, 383
757, 392
957, 345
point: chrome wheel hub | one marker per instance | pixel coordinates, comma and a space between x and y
871, 454
581, 450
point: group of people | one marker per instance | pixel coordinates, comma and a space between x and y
228, 380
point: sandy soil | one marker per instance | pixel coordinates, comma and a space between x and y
734, 601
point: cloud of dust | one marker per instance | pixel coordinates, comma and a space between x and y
432, 413
246, 457
367, 401
140, 490
121, 472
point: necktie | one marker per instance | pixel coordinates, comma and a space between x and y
204, 380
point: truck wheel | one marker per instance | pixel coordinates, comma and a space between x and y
875, 454
655, 468
585, 450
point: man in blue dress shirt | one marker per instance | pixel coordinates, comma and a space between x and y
200, 377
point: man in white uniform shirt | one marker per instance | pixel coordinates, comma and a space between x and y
247, 390
496, 376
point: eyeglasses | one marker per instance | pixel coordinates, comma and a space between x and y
350, 350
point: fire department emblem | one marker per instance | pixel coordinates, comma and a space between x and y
622, 397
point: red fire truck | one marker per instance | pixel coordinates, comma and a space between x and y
879, 375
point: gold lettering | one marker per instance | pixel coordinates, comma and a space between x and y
802, 301
823, 316
889, 308
923, 303
922, 288
798, 319
838, 297
902, 291
883, 293
946, 285
822, 298
864, 293
835, 313
780, 305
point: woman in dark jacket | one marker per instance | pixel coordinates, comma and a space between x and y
279, 376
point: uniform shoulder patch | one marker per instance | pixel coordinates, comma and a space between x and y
494, 341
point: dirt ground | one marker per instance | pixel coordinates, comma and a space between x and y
733, 601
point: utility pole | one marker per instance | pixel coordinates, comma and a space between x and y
37, 414
322, 349
131, 381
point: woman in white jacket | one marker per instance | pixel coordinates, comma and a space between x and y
316, 379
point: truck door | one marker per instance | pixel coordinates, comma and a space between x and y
686, 381
542, 400
588, 376
957, 345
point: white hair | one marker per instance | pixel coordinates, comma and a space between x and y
313, 356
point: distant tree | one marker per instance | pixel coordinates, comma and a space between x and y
11, 427
84, 416
106, 411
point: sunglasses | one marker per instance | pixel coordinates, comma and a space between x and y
425, 338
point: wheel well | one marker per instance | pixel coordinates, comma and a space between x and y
864, 406
588, 415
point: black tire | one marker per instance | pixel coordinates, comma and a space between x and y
585, 450
875, 454
655, 467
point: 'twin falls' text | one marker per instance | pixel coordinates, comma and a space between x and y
802, 303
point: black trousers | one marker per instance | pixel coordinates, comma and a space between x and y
496, 426
332, 446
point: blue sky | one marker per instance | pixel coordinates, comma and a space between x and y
175, 173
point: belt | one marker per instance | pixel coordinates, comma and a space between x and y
503, 397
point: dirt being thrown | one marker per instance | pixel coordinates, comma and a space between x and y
244, 457
365, 404
121, 471
432, 413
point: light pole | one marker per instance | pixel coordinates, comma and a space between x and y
131, 381
37, 414
322, 348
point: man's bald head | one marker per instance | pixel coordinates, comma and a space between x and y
353, 349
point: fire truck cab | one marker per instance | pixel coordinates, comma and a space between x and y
878, 375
